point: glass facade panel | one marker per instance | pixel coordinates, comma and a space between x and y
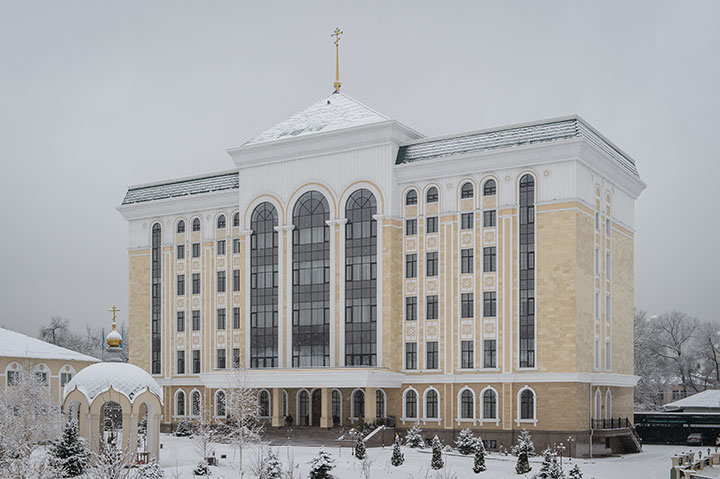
263, 288
526, 284
156, 299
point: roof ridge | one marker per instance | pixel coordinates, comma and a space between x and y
183, 179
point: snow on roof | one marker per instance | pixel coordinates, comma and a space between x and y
182, 187
335, 112
18, 345
124, 378
709, 399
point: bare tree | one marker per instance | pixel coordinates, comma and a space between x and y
675, 340
649, 366
56, 331
243, 412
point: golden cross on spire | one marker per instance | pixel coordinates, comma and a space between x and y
337, 83
114, 310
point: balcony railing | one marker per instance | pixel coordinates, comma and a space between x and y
612, 423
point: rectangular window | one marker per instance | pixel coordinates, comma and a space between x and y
196, 320
597, 221
431, 354
467, 258
411, 227
181, 251
431, 312
608, 355
489, 218
410, 308
236, 280
608, 308
236, 246
236, 358
597, 260
196, 283
221, 247
597, 304
236, 318
597, 353
221, 316
490, 304
607, 227
196, 250
181, 362
490, 353
221, 358
180, 321
64, 378
221, 281
196, 361
432, 264
432, 224
410, 265
489, 259
410, 355
466, 221
607, 265
467, 306
181, 285
467, 355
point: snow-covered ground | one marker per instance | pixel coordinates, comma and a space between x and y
178, 458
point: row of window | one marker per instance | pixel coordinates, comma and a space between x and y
466, 399
220, 285
195, 249
467, 355
12, 377
467, 222
467, 257
467, 306
467, 190
221, 223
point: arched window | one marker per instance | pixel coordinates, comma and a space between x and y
527, 404
598, 405
181, 226
432, 195
264, 403
195, 403
608, 404
311, 282
489, 404
527, 272
196, 224
156, 298
180, 403
303, 408
13, 371
490, 188
221, 221
410, 404
358, 403
467, 190
263, 287
336, 406
379, 403
220, 403
431, 404
411, 198
236, 219
361, 280
285, 403
467, 404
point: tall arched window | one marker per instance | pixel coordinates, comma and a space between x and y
336, 406
263, 287
220, 403
431, 404
196, 224
379, 403
181, 226
411, 198
467, 404
156, 298
490, 188
467, 190
180, 403
527, 404
195, 403
608, 404
303, 408
489, 404
598, 405
264, 403
411, 404
311, 282
221, 221
236, 219
361, 280
432, 195
527, 272
358, 402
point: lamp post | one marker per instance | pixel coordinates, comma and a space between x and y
570, 441
561, 449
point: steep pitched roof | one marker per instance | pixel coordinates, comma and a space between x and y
512, 137
182, 187
18, 345
335, 112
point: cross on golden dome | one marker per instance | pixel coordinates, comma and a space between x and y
337, 83
114, 340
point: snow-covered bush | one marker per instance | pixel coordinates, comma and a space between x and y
479, 460
437, 460
321, 465
575, 473
69, 454
397, 455
201, 469
466, 442
360, 451
414, 438
183, 429
151, 470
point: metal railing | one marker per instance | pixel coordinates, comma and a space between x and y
612, 423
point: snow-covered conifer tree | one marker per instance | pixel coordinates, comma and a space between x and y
321, 465
414, 438
556, 471
151, 470
575, 473
437, 460
466, 442
273, 468
183, 429
544, 472
524, 444
479, 462
360, 451
69, 453
397, 455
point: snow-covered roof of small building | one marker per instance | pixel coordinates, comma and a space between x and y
18, 345
336, 112
124, 378
182, 187
709, 399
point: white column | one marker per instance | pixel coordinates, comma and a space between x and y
337, 265
285, 291
379, 285
228, 355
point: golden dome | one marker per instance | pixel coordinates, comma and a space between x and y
114, 340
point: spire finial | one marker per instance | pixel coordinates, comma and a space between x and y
337, 83
114, 340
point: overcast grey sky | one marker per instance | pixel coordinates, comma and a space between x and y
96, 96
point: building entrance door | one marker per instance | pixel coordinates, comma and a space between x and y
316, 407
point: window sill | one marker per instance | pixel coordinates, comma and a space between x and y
526, 421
